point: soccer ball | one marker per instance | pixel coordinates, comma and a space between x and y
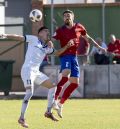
35, 15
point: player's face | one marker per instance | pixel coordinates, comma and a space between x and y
68, 18
44, 34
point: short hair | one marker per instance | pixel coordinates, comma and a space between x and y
68, 11
42, 28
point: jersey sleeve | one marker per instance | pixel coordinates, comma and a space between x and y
82, 30
30, 38
49, 50
56, 34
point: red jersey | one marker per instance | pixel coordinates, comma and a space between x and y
83, 46
64, 35
114, 47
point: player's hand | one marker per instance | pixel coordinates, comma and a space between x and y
103, 50
3, 35
50, 44
70, 43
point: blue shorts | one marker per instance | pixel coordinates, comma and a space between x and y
70, 62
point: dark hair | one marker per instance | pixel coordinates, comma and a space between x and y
68, 11
42, 28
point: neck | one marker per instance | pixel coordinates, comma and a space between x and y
43, 41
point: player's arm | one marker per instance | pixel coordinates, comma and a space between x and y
13, 36
63, 49
60, 51
53, 39
94, 42
87, 48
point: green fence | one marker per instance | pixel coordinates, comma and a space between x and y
91, 17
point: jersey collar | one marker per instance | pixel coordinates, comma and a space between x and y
64, 26
42, 43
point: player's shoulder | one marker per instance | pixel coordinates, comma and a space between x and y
78, 24
31, 38
117, 40
61, 28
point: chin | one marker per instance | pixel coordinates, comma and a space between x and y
67, 24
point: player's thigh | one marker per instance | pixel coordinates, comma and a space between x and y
65, 65
40, 78
74, 80
75, 69
27, 80
66, 72
48, 84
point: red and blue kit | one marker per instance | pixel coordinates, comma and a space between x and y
64, 35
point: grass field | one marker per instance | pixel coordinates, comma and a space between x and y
78, 114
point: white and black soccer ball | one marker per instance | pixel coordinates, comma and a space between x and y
35, 15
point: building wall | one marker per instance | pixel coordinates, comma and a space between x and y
16, 54
17, 12
17, 22
76, 1
100, 1
2, 16
95, 81
102, 81
17, 9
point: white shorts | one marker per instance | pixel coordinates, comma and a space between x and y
32, 77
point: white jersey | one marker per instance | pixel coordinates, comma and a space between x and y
36, 52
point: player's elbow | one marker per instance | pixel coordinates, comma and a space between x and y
56, 53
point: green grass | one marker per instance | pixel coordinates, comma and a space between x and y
78, 114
